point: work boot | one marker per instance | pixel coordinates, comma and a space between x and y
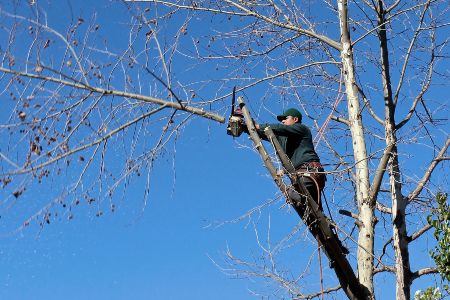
343, 248
331, 264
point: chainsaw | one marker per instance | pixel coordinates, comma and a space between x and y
235, 125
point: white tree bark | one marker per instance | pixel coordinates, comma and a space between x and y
366, 208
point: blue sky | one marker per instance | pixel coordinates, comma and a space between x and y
173, 246
165, 252
161, 253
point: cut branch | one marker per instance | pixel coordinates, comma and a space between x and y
352, 215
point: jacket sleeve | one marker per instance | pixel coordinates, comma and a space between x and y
284, 130
261, 133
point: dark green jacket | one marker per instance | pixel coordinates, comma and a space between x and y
296, 141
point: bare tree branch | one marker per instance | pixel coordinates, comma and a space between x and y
428, 172
409, 52
59, 35
381, 169
341, 120
251, 13
425, 271
384, 269
383, 208
106, 92
419, 98
369, 106
420, 232
83, 147
319, 294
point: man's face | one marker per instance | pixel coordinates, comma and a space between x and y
290, 120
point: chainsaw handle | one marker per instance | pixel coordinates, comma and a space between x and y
233, 100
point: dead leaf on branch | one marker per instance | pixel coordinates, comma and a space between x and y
6, 181
183, 30
18, 193
38, 69
22, 115
35, 148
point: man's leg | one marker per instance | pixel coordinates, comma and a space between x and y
313, 189
301, 207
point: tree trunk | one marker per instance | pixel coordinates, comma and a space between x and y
366, 207
399, 237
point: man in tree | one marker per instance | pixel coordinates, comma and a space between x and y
296, 140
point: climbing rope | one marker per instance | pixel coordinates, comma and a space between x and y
318, 242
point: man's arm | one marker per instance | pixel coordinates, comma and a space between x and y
260, 131
283, 130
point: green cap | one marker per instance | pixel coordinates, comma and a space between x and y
290, 112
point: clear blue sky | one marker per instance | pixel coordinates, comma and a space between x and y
172, 247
